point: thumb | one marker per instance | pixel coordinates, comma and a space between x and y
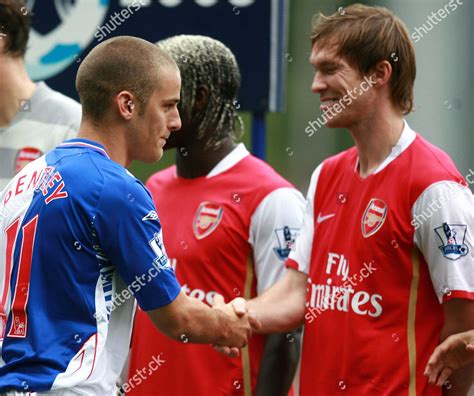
218, 300
240, 306
254, 322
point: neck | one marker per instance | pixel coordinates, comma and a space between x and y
15, 86
375, 139
107, 134
196, 161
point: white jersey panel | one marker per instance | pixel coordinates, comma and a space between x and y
301, 253
443, 217
107, 354
274, 227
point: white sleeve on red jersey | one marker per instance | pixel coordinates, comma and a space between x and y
300, 256
273, 228
443, 217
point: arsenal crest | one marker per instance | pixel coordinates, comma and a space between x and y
374, 217
208, 217
25, 156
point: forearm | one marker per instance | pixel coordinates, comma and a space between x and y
201, 324
189, 320
276, 314
281, 308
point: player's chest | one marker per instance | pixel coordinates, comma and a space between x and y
363, 220
202, 220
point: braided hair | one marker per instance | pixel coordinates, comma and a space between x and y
206, 61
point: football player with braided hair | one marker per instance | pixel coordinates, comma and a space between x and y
230, 221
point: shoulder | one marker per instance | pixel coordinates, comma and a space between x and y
50, 96
159, 178
432, 158
103, 180
334, 168
53, 106
282, 202
265, 174
122, 188
429, 165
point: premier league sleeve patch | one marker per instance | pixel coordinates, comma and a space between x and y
286, 237
161, 260
453, 240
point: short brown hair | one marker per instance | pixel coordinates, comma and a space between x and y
121, 63
367, 35
15, 22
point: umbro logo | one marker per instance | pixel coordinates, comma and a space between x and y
151, 216
321, 218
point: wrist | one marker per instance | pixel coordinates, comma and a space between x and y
222, 327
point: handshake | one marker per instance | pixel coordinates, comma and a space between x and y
238, 323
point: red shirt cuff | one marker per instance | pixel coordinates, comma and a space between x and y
291, 264
457, 294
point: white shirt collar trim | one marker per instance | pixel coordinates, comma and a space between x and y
230, 160
406, 138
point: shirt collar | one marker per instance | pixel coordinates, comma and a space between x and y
406, 138
85, 143
230, 160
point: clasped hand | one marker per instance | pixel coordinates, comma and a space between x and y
241, 325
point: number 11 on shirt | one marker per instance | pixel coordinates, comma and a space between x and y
19, 324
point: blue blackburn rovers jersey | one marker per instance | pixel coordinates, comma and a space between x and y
80, 238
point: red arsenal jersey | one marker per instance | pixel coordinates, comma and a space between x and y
228, 233
379, 264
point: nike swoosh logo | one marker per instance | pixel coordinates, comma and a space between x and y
324, 218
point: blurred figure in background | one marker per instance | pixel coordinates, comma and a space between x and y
33, 118
230, 221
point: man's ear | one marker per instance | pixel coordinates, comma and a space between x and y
382, 72
126, 104
201, 98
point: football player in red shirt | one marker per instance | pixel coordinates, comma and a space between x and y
383, 267
229, 221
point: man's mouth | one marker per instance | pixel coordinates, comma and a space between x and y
326, 103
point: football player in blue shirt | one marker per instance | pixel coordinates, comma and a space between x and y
81, 237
